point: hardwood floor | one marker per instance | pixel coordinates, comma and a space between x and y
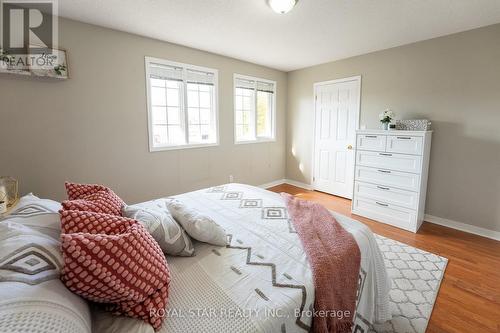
469, 297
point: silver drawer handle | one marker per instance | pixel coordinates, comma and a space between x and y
383, 188
404, 137
385, 154
381, 204
371, 136
384, 171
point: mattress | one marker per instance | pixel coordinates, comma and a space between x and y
260, 282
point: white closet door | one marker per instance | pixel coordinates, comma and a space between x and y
337, 114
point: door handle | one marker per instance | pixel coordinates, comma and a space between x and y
349, 147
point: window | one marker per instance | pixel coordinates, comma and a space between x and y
182, 105
254, 109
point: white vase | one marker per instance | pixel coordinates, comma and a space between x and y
385, 126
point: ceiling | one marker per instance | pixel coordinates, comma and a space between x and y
316, 31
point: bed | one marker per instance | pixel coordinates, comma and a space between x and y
260, 282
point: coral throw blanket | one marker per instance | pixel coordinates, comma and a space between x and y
334, 257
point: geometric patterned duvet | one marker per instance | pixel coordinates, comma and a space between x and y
260, 282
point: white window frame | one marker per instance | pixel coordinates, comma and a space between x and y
273, 113
215, 72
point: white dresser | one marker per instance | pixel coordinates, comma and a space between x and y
390, 180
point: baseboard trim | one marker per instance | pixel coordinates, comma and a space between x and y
299, 184
289, 182
273, 183
492, 234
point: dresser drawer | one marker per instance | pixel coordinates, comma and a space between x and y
399, 162
405, 144
402, 180
387, 194
384, 212
371, 142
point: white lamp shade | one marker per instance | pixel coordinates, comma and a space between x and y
282, 6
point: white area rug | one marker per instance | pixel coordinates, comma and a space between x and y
416, 276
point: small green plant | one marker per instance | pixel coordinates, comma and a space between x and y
5, 57
386, 116
59, 69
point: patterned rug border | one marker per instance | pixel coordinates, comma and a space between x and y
440, 279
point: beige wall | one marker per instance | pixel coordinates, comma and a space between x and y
93, 127
455, 82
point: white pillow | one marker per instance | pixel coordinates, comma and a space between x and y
198, 226
30, 264
39, 214
157, 220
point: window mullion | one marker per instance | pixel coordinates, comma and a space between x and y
271, 114
213, 116
255, 112
199, 112
166, 112
185, 106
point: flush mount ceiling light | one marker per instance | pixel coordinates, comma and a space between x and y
282, 6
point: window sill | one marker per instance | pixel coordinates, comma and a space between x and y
254, 141
166, 148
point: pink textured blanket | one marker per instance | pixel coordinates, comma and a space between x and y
334, 258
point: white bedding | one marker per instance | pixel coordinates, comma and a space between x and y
259, 281
32, 298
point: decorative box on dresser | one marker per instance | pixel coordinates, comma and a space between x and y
390, 181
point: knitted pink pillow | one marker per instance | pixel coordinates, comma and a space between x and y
75, 221
93, 198
112, 259
78, 191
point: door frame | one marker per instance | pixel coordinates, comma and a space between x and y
356, 78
